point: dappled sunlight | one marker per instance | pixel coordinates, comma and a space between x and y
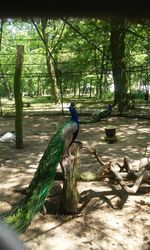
99, 221
95, 129
12, 182
96, 228
141, 137
28, 161
132, 138
132, 132
31, 169
131, 150
36, 125
143, 130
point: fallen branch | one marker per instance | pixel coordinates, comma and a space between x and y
130, 190
92, 150
143, 175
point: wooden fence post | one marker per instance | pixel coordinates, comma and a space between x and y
18, 97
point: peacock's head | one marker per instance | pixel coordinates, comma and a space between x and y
72, 106
72, 103
74, 115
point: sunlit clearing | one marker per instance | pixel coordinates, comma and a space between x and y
32, 168
28, 161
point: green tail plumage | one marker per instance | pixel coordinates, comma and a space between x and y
103, 114
20, 218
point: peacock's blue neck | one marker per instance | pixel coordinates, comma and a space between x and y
74, 115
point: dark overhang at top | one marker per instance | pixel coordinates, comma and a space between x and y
102, 9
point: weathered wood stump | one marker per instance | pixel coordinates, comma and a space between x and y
70, 195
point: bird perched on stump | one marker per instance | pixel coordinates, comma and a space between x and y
20, 218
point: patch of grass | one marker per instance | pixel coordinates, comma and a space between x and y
38, 99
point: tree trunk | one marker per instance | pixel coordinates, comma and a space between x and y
51, 65
7, 86
53, 79
18, 97
1, 32
1, 112
117, 44
38, 92
99, 87
70, 196
30, 85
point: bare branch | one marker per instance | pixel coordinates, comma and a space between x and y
42, 38
61, 32
136, 185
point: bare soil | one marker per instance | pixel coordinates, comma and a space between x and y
100, 223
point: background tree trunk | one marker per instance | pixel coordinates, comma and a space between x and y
30, 85
53, 79
18, 97
51, 65
1, 32
117, 44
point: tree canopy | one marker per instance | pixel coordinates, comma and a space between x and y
64, 56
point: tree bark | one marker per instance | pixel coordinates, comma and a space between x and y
1, 32
53, 79
1, 111
50, 61
101, 75
117, 45
51, 65
70, 196
30, 86
18, 97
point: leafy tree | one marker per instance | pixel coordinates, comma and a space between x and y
51, 41
76, 52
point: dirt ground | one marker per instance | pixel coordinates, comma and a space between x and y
100, 224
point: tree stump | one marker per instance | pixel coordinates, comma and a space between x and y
70, 196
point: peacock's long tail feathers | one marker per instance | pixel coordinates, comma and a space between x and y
20, 218
100, 116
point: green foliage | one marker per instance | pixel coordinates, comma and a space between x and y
81, 51
37, 99
137, 94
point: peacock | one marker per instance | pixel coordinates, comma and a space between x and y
98, 115
20, 218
